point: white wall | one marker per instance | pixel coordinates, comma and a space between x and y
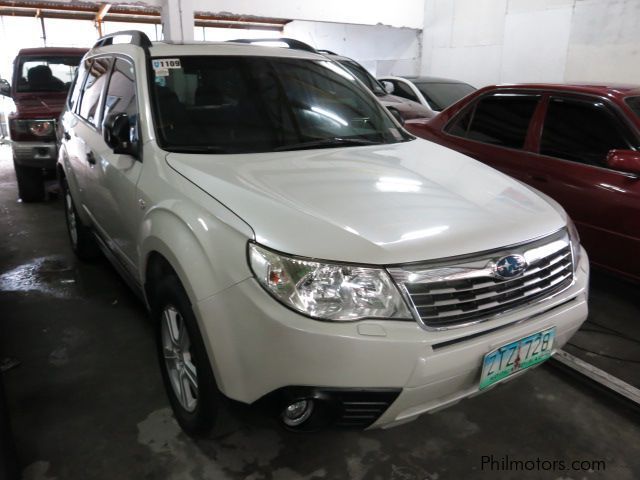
380, 49
511, 41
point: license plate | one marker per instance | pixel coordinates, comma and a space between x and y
516, 356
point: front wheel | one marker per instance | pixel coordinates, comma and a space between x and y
30, 183
184, 363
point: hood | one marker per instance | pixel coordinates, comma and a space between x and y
383, 204
39, 105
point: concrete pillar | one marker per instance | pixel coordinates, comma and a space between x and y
177, 20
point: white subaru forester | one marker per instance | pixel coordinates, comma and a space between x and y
296, 247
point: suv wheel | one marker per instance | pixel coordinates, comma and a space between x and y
82, 242
186, 371
30, 183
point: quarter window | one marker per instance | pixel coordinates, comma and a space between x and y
581, 131
501, 119
92, 92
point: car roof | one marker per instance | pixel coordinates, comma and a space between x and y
52, 51
601, 89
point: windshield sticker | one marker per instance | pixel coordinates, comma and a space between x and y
166, 63
161, 81
161, 72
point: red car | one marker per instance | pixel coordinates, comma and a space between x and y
41, 80
580, 144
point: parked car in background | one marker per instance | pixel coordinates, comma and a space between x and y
297, 248
402, 108
433, 93
580, 144
41, 80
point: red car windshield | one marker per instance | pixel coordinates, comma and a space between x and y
634, 104
46, 73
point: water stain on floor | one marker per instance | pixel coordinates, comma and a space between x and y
48, 275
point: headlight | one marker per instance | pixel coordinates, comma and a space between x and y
26, 130
574, 238
41, 128
328, 291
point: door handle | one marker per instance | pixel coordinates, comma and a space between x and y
91, 158
66, 135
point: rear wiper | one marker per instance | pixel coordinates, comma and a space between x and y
325, 143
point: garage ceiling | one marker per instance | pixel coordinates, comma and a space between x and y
106, 12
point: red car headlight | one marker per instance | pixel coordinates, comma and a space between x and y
41, 128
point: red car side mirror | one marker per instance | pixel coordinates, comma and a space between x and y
624, 160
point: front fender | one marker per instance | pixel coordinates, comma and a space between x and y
207, 254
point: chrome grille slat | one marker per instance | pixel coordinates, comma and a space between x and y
454, 293
492, 292
492, 282
524, 293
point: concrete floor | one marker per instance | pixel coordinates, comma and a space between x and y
87, 402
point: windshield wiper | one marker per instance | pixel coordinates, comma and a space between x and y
326, 143
196, 149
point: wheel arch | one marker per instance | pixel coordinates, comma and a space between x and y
206, 261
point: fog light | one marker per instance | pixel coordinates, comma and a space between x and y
297, 412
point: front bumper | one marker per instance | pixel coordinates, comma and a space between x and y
257, 347
35, 154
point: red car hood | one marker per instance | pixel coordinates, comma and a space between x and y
39, 105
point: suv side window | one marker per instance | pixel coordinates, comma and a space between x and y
400, 89
97, 71
76, 87
121, 93
500, 119
581, 131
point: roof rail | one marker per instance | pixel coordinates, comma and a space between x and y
136, 37
289, 42
328, 52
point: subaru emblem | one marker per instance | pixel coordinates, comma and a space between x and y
510, 266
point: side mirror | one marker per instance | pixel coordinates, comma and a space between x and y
396, 114
625, 161
388, 86
119, 134
5, 88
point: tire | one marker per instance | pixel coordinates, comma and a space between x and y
186, 371
82, 241
30, 183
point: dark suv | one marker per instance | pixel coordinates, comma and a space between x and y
41, 79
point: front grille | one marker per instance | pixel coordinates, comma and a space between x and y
467, 290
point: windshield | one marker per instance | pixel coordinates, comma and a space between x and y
243, 104
441, 95
634, 104
46, 74
363, 75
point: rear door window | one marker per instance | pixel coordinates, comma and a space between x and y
581, 131
500, 119
76, 87
400, 89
